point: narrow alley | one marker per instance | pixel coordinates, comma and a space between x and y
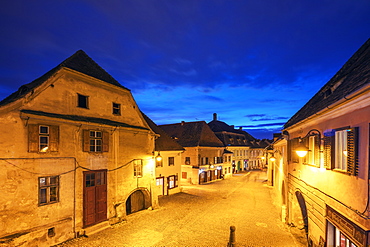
201, 215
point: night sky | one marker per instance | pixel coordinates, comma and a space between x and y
254, 63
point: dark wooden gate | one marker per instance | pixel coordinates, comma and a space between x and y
94, 197
135, 202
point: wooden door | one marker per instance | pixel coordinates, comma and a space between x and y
135, 202
95, 197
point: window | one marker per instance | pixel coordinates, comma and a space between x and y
43, 138
82, 101
172, 181
204, 161
95, 141
340, 150
171, 161
138, 168
187, 160
184, 175
313, 155
48, 190
116, 109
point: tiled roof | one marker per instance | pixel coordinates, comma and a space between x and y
164, 142
354, 75
82, 119
80, 62
230, 136
192, 134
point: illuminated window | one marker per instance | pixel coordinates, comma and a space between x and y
48, 190
341, 150
43, 138
313, 155
116, 109
172, 181
138, 168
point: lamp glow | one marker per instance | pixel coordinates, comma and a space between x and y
302, 150
272, 158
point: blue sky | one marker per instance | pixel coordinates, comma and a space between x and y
254, 63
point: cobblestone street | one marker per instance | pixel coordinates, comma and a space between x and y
202, 215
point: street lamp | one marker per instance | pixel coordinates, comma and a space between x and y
302, 150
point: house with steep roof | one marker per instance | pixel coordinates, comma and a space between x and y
205, 158
247, 151
167, 153
76, 155
324, 154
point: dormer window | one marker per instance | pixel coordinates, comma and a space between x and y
82, 101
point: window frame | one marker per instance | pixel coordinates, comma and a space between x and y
87, 138
82, 101
138, 168
47, 186
171, 161
116, 109
96, 141
331, 150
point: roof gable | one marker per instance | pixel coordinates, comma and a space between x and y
163, 142
354, 75
79, 61
192, 134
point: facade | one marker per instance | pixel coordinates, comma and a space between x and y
205, 158
168, 166
76, 155
326, 189
247, 151
257, 154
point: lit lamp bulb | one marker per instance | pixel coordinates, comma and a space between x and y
272, 158
158, 158
302, 150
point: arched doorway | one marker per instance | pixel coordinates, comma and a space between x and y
302, 205
137, 201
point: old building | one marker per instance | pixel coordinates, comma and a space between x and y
76, 154
247, 151
205, 158
167, 161
324, 173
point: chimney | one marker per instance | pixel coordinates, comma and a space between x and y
214, 116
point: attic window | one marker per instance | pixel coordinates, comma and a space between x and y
116, 109
82, 101
327, 93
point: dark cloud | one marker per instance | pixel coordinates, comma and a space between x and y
249, 60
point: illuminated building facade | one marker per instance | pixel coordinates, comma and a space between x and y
246, 150
324, 188
168, 164
205, 158
76, 155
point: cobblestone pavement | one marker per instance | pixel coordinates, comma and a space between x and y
201, 215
